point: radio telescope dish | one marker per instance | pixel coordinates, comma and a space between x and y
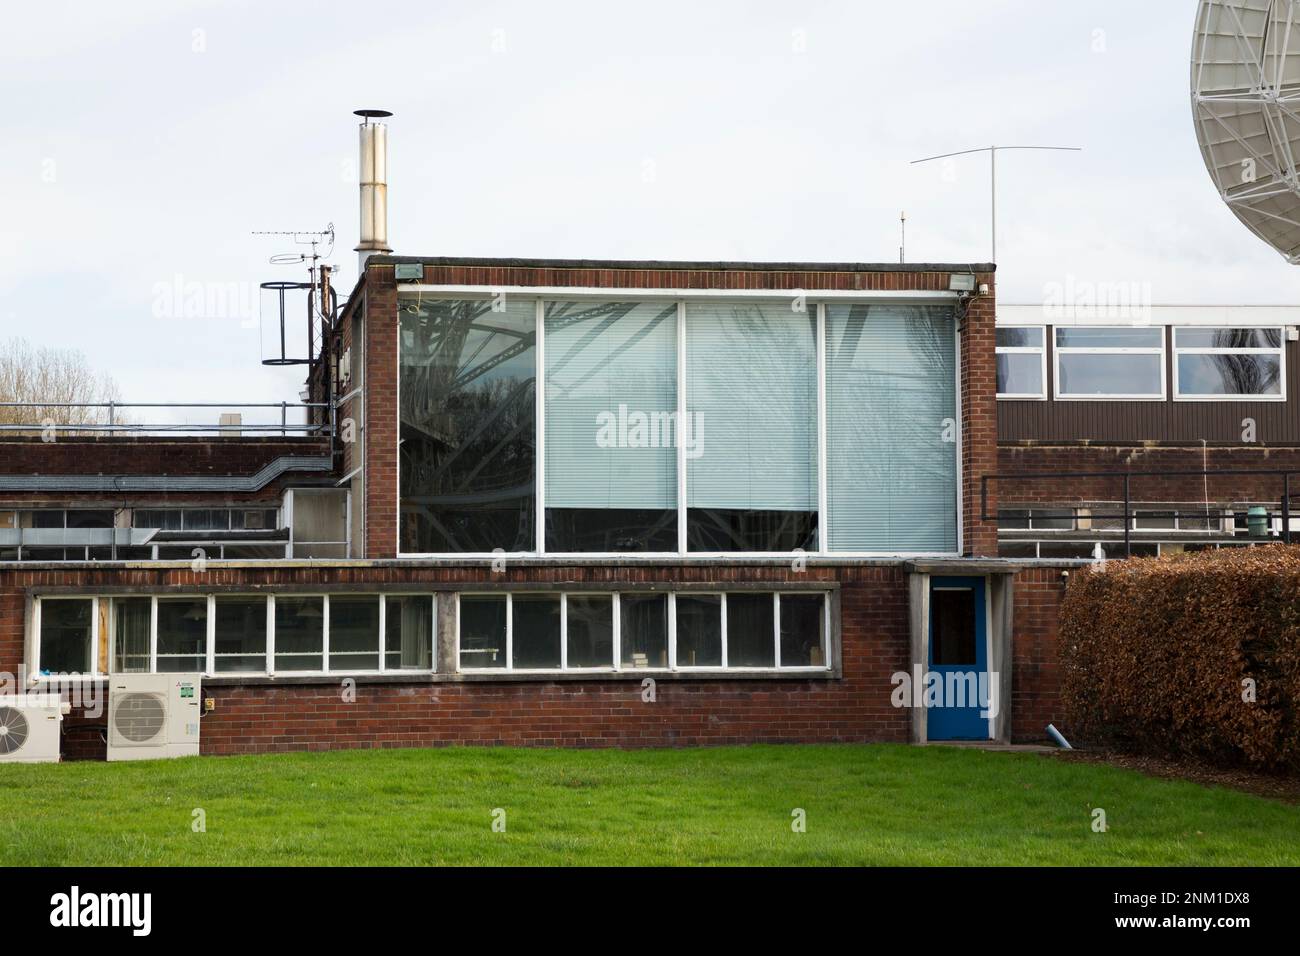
1246, 105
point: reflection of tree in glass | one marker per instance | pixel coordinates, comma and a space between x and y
1245, 374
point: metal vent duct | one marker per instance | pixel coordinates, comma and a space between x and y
373, 170
1246, 106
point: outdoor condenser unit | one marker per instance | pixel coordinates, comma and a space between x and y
30, 726
151, 716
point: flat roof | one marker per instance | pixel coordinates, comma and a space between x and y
690, 265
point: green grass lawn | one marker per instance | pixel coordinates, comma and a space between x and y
877, 804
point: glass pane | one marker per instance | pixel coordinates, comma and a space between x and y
1110, 337
803, 623
408, 634
643, 638
1053, 519
891, 430
1228, 338
1227, 374
751, 389
354, 633
751, 633
240, 634
591, 630
90, 519
1017, 338
131, 621
65, 637
299, 633
952, 633
536, 631
1020, 373
611, 426
1110, 374
699, 630
468, 443
183, 634
482, 631
206, 519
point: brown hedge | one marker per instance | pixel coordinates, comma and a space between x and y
1155, 652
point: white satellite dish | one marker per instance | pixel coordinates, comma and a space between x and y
1246, 104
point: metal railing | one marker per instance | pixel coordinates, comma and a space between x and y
109, 421
1131, 512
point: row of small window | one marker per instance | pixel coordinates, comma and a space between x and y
1110, 549
629, 631
1108, 517
211, 551
166, 519
1122, 362
219, 634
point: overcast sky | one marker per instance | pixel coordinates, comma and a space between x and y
143, 142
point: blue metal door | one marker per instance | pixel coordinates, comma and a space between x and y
958, 681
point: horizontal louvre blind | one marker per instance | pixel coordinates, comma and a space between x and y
611, 398
751, 390
891, 411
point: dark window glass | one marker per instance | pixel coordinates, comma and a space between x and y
299, 633
65, 637
590, 630
354, 633
715, 529
408, 633
643, 640
156, 518
183, 634
467, 455
482, 631
611, 529
952, 639
90, 519
751, 634
536, 631
803, 623
241, 634
699, 630
47, 519
1019, 338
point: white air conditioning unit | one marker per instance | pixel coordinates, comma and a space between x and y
29, 727
151, 716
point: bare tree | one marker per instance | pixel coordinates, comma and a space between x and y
46, 379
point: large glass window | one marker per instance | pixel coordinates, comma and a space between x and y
67, 628
1218, 363
1110, 362
240, 634
183, 635
611, 426
751, 395
891, 428
408, 633
1022, 362
131, 627
468, 425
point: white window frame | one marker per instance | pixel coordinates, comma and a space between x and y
817, 301
673, 666
1041, 352
1279, 351
96, 671
1059, 350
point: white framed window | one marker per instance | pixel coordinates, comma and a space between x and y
652, 631
1022, 361
1109, 363
66, 639
250, 634
1229, 364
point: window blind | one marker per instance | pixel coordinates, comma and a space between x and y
611, 399
891, 409
751, 386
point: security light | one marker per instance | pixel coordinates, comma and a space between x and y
961, 282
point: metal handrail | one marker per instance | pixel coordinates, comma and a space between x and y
1129, 511
285, 427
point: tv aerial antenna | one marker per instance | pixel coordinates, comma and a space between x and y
1245, 84
321, 300
993, 179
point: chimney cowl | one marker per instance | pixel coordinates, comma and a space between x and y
373, 177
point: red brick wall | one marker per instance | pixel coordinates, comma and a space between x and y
1050, 461
1035, 654
978, 363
